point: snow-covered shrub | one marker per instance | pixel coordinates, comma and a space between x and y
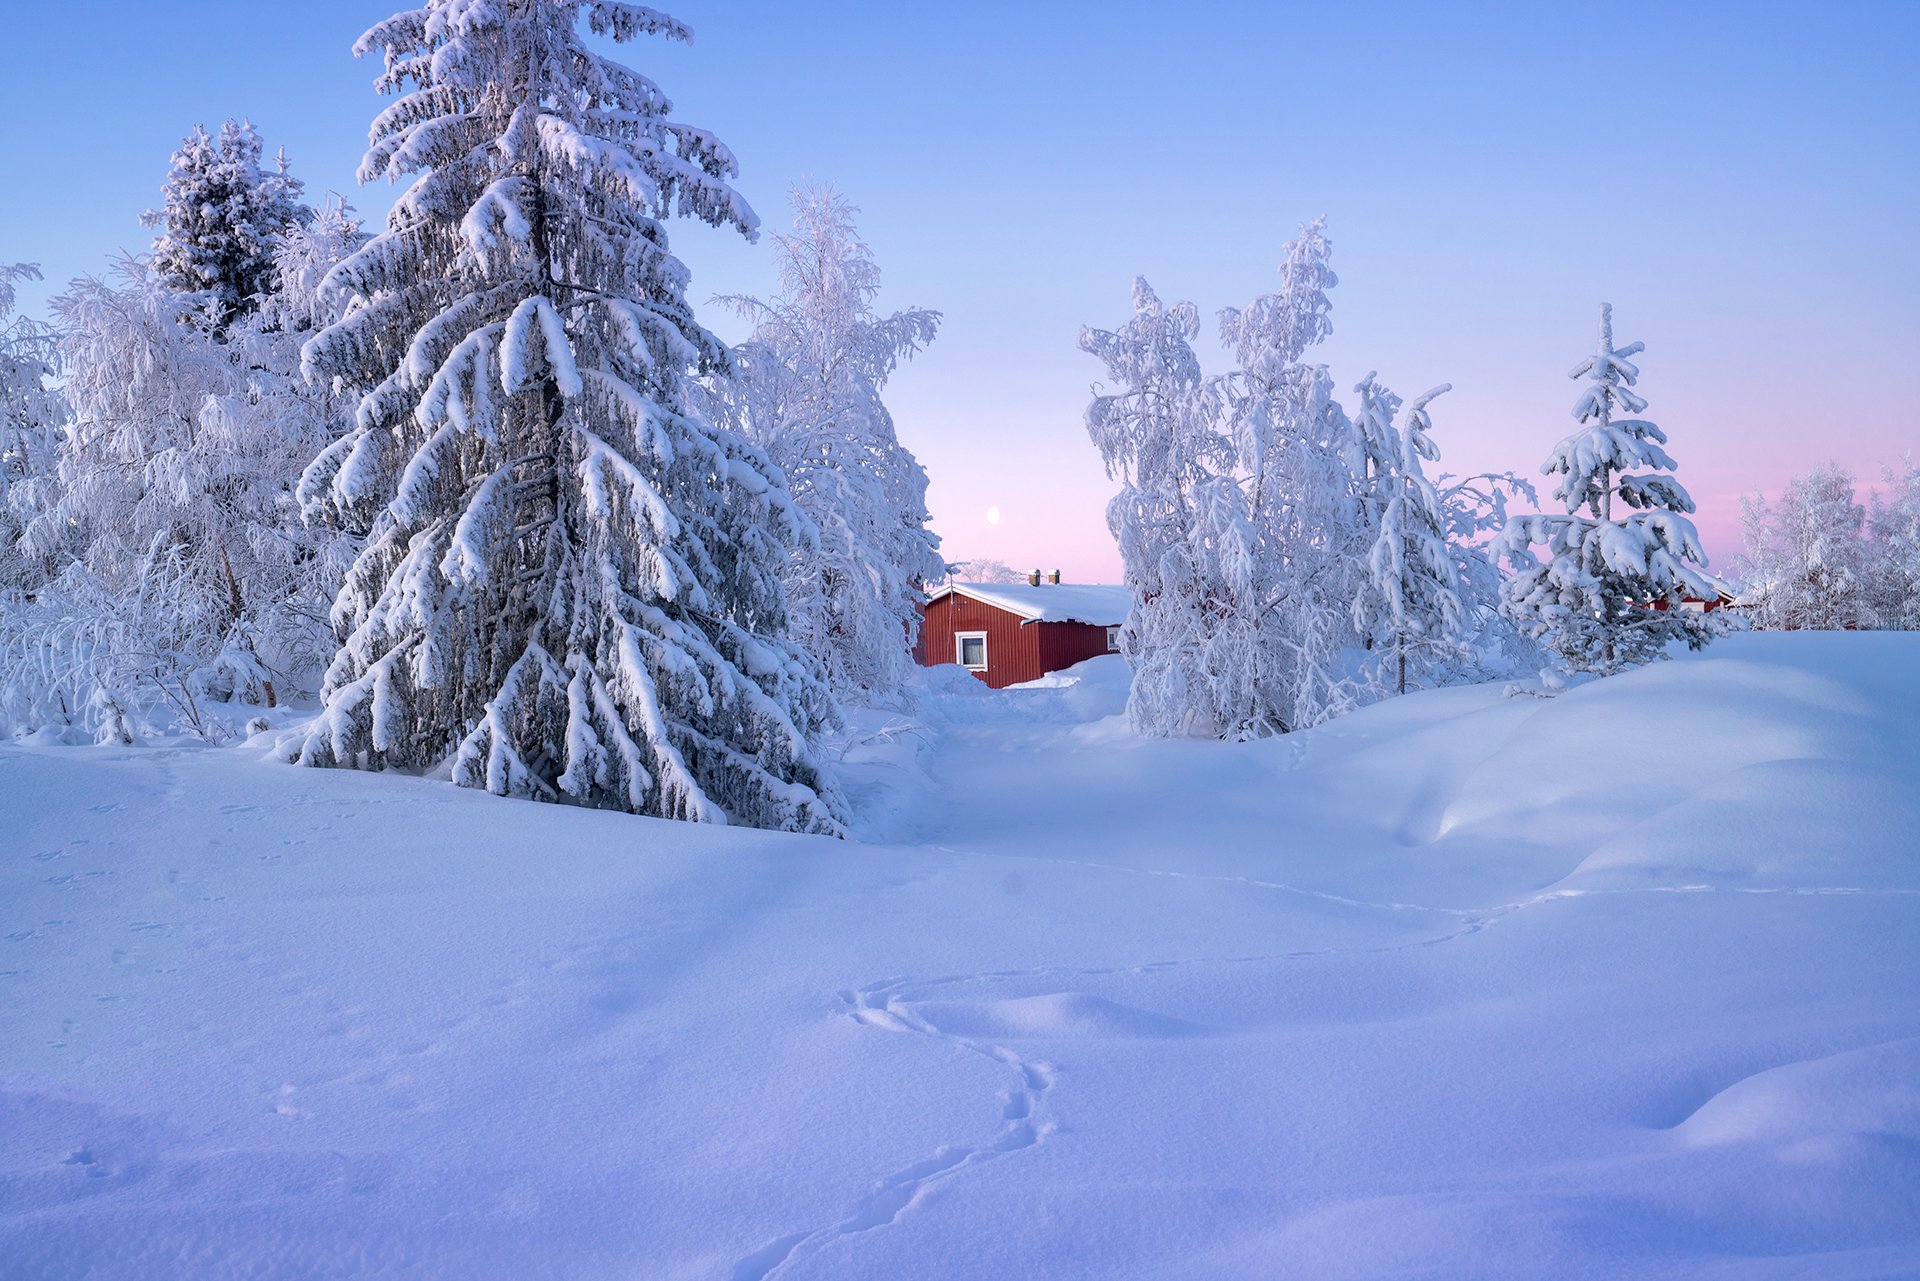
806, 388
1590, 601
191, 442
89, 661
571, 585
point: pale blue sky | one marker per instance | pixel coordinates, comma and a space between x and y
1740, 180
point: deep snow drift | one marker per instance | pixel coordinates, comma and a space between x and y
1621, 983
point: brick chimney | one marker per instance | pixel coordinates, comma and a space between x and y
1054, 578
1033, 578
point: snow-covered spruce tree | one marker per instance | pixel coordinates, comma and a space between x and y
220, 219
1894, 551
1303, 494
31, 415
1409, 607
1591, 601
806, 388
1186, 548
571, 583
1807, 562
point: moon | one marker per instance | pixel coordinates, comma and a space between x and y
993, 515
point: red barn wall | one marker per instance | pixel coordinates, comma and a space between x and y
1016, 650
1064, 644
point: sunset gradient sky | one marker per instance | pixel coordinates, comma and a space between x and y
1740, 180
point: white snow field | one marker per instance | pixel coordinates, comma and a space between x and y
1624, 983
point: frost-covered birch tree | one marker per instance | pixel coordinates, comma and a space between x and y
1591, 599
221, 219
1243, 519
1409, 607
173, 487
1895, 548
986, 570
1296, 453
171, 566
806, 387
1185, 546
31, 414
570, 589
1807, 558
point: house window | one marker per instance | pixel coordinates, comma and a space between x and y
970, 650
1113, 640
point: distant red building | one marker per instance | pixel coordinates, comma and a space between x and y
1006, 633
1704, 605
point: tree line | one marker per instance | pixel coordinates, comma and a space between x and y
1817, 557
1291, 560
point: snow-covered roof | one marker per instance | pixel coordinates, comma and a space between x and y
1094, 603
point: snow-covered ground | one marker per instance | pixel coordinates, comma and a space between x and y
1624, 983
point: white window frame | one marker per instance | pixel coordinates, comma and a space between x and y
1113, 640
960, 640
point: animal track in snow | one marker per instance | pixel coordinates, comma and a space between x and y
1025, 1122
979, 1027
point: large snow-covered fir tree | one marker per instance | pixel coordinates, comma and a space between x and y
1409, 608
221, 218
806, 388
1591, 600
571, 583
1808, 564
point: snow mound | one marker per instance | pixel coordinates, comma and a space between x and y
1813, 1109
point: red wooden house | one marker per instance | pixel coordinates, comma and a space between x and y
1006, 633
1721, 598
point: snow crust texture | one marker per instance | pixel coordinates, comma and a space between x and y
1384, 998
